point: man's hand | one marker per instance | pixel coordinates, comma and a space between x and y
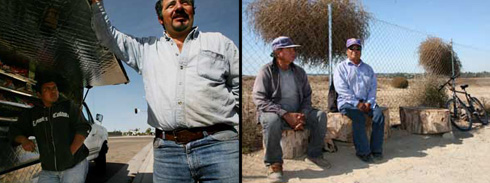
361, 106
300, 119
364, 107
28, 145
367, 107
94, 1
295, 120
73, 149
77, 143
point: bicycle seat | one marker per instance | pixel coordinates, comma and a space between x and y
464, 86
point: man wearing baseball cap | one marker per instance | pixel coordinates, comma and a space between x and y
282, 95
355, 82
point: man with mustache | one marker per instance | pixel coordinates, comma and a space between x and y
282, 95
191, 85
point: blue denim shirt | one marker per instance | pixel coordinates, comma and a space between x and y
355, 82
196, 87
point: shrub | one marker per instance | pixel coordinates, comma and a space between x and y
432, 97
486, 104
426, 93
435, 57
306, 23
399, 82
251, 136
250, 130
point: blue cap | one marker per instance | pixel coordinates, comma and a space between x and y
353, 41
283, 42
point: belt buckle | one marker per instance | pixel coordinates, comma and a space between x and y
177, 139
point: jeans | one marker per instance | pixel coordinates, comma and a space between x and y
363, 147
76, 174
214, 158
273, 125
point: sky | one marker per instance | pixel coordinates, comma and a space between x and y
138, 18
398, 27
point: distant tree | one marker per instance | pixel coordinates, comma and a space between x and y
115, 133
306, 22
148, 131
435, 57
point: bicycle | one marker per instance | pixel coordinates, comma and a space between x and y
462, 114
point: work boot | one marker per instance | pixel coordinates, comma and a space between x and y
319, 162
366, 158
274, 173
377, 157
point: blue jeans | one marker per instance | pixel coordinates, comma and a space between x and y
273, 125
76, 174
363, 147
214, 158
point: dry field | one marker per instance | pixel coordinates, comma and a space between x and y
387, 96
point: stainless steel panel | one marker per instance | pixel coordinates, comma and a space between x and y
57, 35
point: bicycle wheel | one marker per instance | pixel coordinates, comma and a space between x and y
459, 114
480, 112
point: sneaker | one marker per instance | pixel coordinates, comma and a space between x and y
366, 158
377, 156
274, 173
319, 162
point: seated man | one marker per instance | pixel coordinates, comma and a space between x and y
355, 83
282, 95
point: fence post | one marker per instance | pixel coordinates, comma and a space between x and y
452, 63
330, 79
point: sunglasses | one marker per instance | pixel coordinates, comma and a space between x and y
355, 48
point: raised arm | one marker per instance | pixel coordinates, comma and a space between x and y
126, 47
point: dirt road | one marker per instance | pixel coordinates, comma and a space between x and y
121, 150
408, 158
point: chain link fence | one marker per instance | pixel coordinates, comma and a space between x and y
16, 164
391, 50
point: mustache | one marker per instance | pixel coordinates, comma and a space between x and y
180, 13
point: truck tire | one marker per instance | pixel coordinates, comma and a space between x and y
100, 161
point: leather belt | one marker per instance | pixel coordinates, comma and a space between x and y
184, 136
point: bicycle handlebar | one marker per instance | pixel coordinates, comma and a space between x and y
447, 82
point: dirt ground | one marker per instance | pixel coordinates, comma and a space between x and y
407, 158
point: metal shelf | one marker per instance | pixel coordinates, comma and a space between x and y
8, 119
18, 92
15, 104
18, 77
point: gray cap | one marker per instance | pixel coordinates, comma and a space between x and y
283, 42
353, 41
